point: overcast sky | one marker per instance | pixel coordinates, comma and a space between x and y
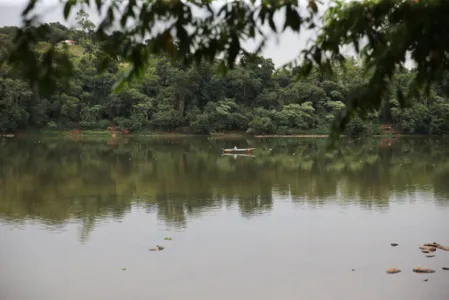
281, 50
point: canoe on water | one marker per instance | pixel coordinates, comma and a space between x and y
236, 150
235, 155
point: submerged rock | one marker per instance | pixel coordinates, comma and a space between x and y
430, 255
157, 248
445, 268
435, 245
425, 251
423, 270
394, 244
393, 271
428, 249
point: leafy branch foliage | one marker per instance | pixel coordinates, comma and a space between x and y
191, 30
158, 40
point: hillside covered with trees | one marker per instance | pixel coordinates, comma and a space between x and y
253, 97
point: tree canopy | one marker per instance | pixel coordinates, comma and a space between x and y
172, 96
383, 33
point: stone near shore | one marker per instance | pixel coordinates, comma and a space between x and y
435, 245
393, 271
427, 249
423, 270
157, 248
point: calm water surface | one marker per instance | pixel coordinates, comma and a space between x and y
290, 223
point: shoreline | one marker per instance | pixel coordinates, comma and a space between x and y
291, 136
106, 133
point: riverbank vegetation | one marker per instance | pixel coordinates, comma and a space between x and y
253, 97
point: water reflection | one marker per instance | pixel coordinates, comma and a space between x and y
54, 181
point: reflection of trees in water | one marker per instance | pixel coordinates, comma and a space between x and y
441, 187
54, 181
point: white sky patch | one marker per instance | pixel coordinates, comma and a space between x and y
282, 48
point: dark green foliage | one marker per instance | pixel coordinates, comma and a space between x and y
250, 98
261, 125
382, 32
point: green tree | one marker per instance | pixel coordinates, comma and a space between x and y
389, 29
171, 95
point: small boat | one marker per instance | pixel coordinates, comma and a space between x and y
236, 150
235, 155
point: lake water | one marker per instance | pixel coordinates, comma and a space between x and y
292, 222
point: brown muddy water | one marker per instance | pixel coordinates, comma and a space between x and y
78, 217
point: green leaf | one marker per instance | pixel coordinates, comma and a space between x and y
271, 22
68, 7
99, 4
29, 7
292, 19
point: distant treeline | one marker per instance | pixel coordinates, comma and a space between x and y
253, 97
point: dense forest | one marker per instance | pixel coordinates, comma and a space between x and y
253, 97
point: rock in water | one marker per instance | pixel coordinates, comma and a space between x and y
160, 247
427, 249
153, 249
430, 255
423, 270
444, 248
394, 244
445, 268
435, 245
393, 271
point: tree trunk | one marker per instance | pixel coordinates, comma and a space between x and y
181, 105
